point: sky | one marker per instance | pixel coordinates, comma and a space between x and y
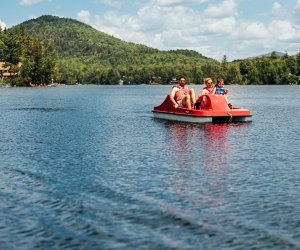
236, 28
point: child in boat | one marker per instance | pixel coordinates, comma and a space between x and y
219, 87
181, 95
220, 90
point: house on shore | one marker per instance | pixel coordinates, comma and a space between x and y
5, 71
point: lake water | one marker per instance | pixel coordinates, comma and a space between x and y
88, 167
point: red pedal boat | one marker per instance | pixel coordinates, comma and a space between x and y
212, 109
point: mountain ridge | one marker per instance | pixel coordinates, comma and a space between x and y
89, 55
90, 41
270, 54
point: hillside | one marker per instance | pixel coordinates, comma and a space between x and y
68, 51
74, 39
270, 54
86, 55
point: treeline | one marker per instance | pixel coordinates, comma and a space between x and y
261, 71
63, 50
27, 58
269, 70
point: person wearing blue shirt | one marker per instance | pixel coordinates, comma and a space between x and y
220, 90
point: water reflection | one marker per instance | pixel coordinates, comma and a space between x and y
202, 156
216, 146
211, 141
199, 178
183, 155
215, 161
182, 136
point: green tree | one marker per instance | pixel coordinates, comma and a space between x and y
113, 76
249, 72
10, 51
234, 74
274, 55
224, 67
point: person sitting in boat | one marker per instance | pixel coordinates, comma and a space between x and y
181, 95
220, 90
208, 89
219, 87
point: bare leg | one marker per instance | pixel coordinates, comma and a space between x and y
186, 101
193, 97
226, 98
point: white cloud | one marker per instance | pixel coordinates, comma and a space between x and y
295, 13
276, 9
2, 24
113, 3
164, 18
251, 31
220, 26
224, 9
168, 2
179, 2
256, 37
112, 21
214, 31
167, 27
29, 2
84, 16
285, 31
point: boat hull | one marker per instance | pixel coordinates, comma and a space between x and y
201, 119
182, 118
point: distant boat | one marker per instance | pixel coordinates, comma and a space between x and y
54, 84
173, 81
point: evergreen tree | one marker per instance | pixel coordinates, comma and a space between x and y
10, 51
224, 67
233, 74
298, 65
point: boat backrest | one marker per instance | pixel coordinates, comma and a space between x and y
167, 104
214, 102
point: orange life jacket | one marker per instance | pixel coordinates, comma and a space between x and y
182, 92
209, 91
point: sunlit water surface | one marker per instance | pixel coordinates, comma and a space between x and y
90, 168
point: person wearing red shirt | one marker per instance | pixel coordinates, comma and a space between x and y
181, 95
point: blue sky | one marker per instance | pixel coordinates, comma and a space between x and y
235, 28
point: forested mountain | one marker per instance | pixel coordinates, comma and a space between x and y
273, 54
67, 51
90, 56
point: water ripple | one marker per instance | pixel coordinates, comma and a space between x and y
81, 171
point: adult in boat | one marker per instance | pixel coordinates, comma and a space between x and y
181, 95
208, 89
